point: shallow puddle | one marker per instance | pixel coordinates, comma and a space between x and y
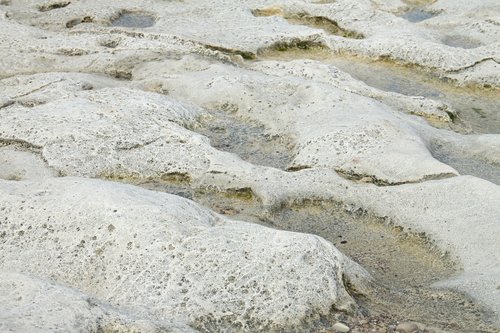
461, 42
133, 20
404, 265
329, 26
466, 166
417, 15
248, 140
389, 254
478, 109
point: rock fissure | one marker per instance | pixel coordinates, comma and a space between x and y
37, 89
22, 143
365, 178
474, 64
121, 146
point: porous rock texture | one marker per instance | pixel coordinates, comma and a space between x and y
233, 26
30, 304
349, 133
460, 214
120, 91
161, 257
108, 137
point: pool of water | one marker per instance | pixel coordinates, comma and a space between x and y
465, 165
462, 42
248, 140
404, 265
478, 109
133, 20
417, 15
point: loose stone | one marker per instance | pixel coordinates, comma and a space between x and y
407, 327
340, 327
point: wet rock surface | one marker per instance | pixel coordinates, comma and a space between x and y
308, 166
133, 20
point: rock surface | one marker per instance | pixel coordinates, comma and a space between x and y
164, 258
18, 164
29, 304
234, 27
246, 107
407, 327
350, 134
128, 139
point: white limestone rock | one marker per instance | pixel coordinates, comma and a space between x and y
219, 23
123, 132
29, 50
325, 73
485, 73
40, 88
93, 126
483, 148
440, 43
332, 128
162, 257
467, 24
28, 304
460, 215
109, 132
81, 36
19, 164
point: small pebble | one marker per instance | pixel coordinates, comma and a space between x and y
366, 180
339, 327
407, 327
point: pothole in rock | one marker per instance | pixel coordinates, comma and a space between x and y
289, 46
53, 5
319, 22
416, 15
237, 203
403, 263
30, 103
391, 254
246, 139
133, 20
109, 43
466, 165
477, 108
232, 52
462, 42
74, 22
316, 22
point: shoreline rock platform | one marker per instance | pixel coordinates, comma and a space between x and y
255, 166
